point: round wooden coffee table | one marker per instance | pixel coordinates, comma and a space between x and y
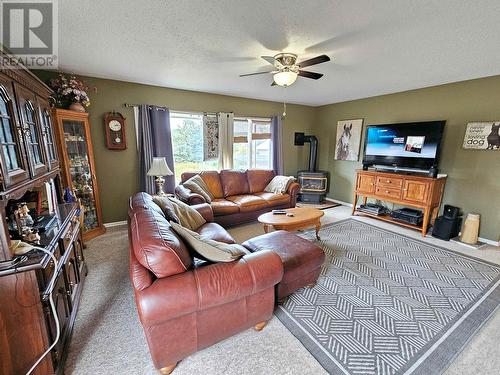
303, 217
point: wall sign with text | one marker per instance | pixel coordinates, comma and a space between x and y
482, 136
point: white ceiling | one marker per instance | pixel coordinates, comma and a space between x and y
376, 46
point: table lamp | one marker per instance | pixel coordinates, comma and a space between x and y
159, 168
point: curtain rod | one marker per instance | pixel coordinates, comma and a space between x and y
129, 105
138, 105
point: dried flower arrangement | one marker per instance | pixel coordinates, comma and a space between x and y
68, 89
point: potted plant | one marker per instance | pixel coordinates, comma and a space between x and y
70, 92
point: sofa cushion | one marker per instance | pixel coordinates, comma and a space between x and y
188, 216
211, 179
208, 249
224, 207
154, 243
279, 184
167, 208
214, 231
274, 199
258, 179
197, 185
234, 182
248, 202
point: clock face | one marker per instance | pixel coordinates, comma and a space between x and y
115, 125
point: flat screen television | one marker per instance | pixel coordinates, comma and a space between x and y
413, 145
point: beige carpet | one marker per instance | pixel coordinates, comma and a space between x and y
108, 337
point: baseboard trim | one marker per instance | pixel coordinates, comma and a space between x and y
115, 224
489, 242
485, 240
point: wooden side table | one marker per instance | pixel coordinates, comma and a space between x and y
303, 217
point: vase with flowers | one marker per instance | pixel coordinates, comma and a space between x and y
70, 92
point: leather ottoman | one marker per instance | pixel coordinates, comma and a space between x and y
302, 259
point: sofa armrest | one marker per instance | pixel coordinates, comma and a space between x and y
208, 286
187, 196
205, 210
293, 190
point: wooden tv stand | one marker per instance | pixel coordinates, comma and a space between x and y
404, 189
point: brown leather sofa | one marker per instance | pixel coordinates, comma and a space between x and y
184, 308
239, 195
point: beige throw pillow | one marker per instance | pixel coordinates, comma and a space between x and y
279, 184
167, 208
207, 249
198, 186
188, 216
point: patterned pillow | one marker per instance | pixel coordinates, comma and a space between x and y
198, 186
207, 249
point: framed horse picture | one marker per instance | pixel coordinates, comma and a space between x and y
348, 139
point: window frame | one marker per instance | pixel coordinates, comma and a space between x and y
185, 115
253, 135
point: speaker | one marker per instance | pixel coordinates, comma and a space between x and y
445, 228
451, 212
433, 172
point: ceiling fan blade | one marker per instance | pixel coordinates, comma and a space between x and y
269, 59
314, 61
306, 74
253, 74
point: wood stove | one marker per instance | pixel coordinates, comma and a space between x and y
313, 183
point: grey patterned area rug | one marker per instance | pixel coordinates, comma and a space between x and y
388, 304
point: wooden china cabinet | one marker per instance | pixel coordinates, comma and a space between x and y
30, 179
77, 166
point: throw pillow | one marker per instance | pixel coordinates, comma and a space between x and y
188, 216
207, 249
279, 184
167, 208
198, 186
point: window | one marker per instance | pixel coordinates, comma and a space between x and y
252, 146
187, 143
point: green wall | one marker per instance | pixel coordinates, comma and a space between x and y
473, 176
117, 171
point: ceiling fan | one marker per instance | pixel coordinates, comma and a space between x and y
287, 69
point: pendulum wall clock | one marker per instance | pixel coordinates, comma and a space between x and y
114, 127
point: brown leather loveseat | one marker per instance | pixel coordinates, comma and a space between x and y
239, 195
185, 307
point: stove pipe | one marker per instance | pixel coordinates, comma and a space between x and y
300, 139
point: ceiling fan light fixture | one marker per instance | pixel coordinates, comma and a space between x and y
285, 78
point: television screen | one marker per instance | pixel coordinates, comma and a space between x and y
414, 145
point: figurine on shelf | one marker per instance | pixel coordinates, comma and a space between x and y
68, 196
32, 236
23, 218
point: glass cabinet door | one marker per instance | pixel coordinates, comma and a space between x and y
35, 147
80, 171
13, 161
48, 133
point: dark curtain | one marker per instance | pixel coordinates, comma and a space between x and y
277, 144
155, 139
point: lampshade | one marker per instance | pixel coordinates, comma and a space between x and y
285, 78
159, 167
